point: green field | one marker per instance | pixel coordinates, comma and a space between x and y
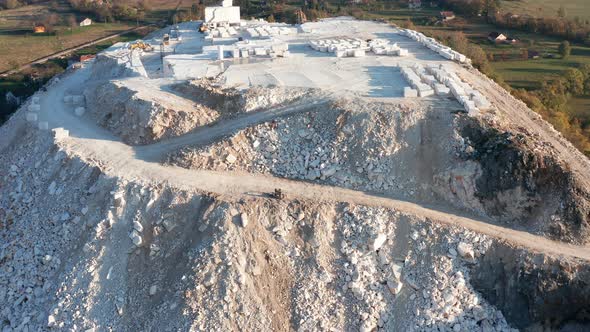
19, 45
578, 107
548, 8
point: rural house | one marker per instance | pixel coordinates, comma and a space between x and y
447, 16
86, 22
496, 37
39, 28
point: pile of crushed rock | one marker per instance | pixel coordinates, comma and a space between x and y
354, 146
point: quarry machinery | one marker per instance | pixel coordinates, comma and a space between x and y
277, 194
141, 45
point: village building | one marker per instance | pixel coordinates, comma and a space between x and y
447, 16
86, 22
496, 37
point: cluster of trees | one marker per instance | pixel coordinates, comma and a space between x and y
472, 7
559, 26
50, 21
551, 101
196, 12
574, 30
107, 11
11, 4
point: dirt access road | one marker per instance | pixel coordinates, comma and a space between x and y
99, 147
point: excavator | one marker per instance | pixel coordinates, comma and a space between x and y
141, 45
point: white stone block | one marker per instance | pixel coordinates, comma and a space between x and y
409, 92
481, 102
34, 108
32, 117
220, 14
35, 99
424, 90
244, 53
79, 111
220, 52
260, 51
60, 133
403, 52
68, 99
378, 50
441, 90
43, 125
78, 99
358, 53
471, 109
253, 33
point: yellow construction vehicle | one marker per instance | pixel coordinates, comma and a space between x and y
141, 45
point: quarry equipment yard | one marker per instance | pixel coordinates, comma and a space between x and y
136, 190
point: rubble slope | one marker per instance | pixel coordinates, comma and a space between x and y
411, 151
84, 250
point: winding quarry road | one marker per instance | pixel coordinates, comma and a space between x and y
141, 164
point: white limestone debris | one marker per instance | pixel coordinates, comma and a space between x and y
136, 238
466, 251
43, 125
32, 117
244, 219
379, 241
97, 229
153, 290
60, 133
80, 110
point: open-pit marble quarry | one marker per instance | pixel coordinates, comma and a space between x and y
339, 175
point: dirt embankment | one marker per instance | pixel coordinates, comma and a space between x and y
535, 291
414, 152
230, 101
142, 115
391, 148
521, 184
81, 250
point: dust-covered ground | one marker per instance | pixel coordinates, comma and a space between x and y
102, 253
417, 151
132, 201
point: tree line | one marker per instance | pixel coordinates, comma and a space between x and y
11, 4
107, 11
551, 102
576, 29
573, 30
